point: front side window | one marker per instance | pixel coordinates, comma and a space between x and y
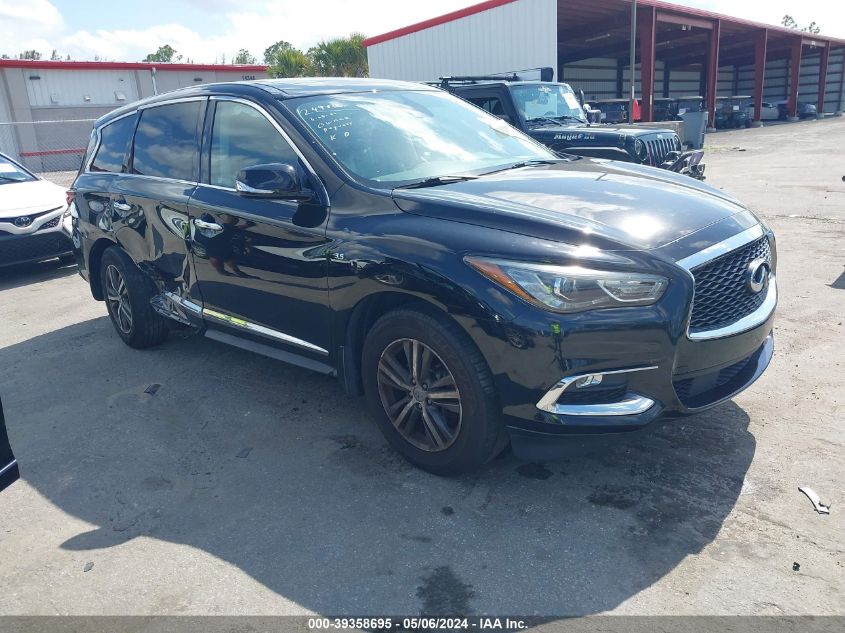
396, 138
114, 142
167, 141
11, 172
243, 137
540, 102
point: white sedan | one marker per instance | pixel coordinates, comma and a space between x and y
31, 212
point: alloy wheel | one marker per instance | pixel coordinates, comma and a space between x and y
117, 295
419, 395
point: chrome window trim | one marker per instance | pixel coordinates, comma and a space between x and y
8, 467
283, 134
721, 248
748, 322
147, 106
632, 404
228, 319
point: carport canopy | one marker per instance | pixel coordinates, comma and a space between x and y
684, 37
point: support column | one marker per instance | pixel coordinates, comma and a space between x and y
646, 26
794, 79
620, 78
667, 79
760, 45
823, 60
713, 73
841, 85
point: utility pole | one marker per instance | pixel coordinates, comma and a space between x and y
633, 58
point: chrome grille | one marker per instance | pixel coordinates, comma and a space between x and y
659, 147
721, 296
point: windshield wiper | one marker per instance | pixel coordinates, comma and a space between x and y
528, 163
438, 180
540, 121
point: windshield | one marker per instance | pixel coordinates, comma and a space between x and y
10, 172
540, 102
396, 138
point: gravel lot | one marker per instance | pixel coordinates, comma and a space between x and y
244, 486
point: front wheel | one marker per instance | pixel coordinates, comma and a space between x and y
431, 392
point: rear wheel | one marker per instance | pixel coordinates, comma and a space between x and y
127, 293
431, 392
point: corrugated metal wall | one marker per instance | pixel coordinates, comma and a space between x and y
47, 87
598, 79
776, 85
521, 34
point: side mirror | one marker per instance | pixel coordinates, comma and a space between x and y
581, 98
275, 180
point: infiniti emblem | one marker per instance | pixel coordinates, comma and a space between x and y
757, 275
23, 221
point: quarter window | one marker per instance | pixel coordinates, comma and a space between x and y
167, 141
243, 137
114, 141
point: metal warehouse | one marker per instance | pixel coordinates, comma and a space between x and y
47, 107
679, 52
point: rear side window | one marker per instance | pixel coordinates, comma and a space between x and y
493, 105
243, 137
114, 142
167, 141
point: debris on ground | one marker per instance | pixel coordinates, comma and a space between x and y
817, 502
244, 452
88, 567
152, 389
796, 567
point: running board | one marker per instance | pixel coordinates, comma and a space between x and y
271, 352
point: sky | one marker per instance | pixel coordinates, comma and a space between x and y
206, 30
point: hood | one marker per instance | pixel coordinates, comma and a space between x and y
599, 134
29, 198
607, 204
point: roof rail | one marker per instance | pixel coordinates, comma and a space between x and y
545, 73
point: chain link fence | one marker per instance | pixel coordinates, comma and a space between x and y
51, 149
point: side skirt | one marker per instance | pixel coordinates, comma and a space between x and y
271, 352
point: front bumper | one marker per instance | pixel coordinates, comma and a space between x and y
611, 372
34, 247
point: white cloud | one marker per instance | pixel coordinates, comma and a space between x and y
39, 24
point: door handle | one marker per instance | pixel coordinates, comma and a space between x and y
207, 226
121, 206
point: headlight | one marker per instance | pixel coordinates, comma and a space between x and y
639, 147
571, 288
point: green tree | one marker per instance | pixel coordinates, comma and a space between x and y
244, 57
55, 56
31, 54
271, 50
164, 54
289, 62
789, 22
340, 57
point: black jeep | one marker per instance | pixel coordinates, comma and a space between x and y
554, 115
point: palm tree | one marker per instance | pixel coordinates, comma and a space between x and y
340, 57
289, 62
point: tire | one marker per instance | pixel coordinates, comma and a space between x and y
136, 322
478, 434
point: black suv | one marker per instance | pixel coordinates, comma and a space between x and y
477, 287
552, 114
